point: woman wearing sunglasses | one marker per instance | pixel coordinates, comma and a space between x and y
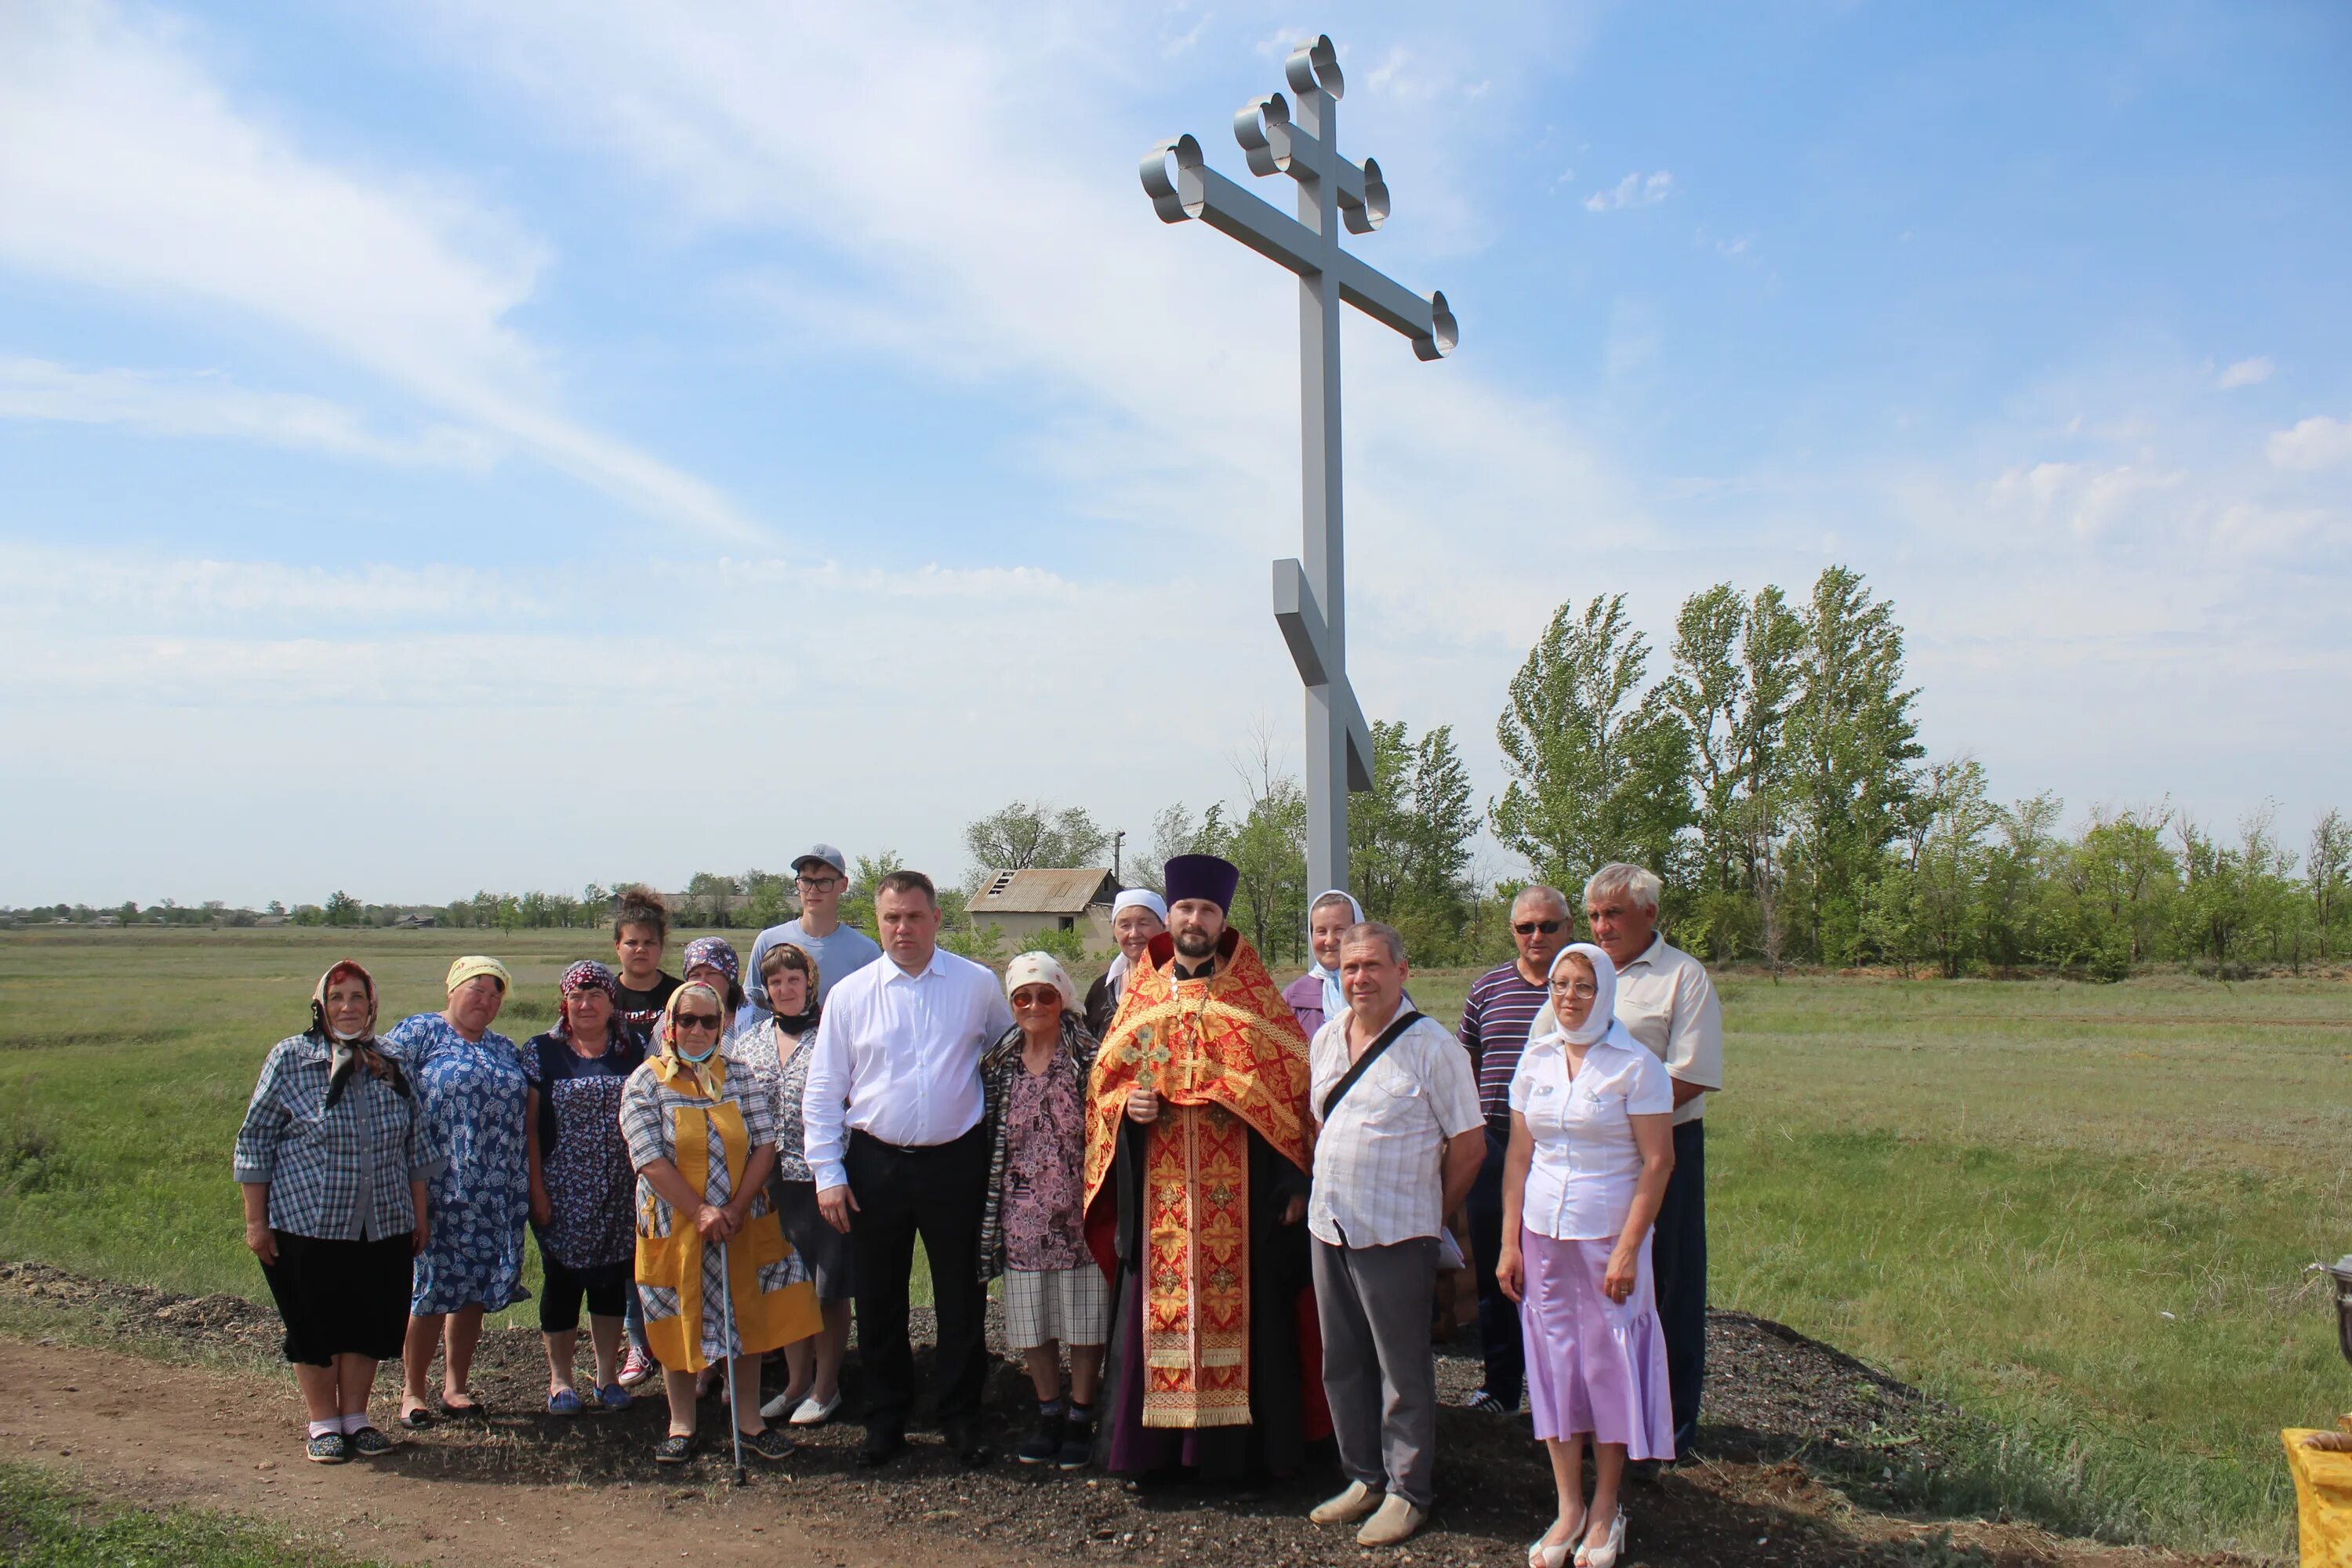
701, 1135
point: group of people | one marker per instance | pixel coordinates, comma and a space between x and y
1216, 1206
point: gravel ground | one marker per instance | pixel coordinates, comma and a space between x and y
1803, 1452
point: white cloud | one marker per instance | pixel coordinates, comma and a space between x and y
1635, 190
2247, 373
2318, 442
178, 405
125, 167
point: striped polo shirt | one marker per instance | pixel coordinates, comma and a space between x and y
1494, 1022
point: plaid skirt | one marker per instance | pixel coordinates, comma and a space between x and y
1042, 1306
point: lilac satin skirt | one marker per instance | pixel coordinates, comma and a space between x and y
1595, 1368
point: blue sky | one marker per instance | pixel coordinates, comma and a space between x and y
451, 445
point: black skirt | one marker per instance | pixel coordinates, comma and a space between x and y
341, 1298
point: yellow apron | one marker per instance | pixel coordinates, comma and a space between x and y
765, 1319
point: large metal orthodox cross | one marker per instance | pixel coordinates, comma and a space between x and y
1309, 602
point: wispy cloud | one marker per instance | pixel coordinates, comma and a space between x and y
129, 169
2318, 442
2247, 373
168, 404
1635, 190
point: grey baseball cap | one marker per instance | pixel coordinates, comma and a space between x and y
824, 852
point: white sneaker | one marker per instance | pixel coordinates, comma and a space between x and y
1394, 1523
812, 1414
1349, 1505
782, 1404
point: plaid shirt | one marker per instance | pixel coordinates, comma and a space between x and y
318, 1163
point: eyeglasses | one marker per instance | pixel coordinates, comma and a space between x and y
1529, 928
1575, 988
819, 884
698, 1020
1035, 998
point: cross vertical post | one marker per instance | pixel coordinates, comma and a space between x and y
1310, 594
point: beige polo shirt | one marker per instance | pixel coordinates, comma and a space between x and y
1665, 1000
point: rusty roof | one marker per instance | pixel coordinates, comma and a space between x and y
1044, 890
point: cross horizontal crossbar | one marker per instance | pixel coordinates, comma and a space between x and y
1199, 191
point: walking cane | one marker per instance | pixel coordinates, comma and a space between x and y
727, 1348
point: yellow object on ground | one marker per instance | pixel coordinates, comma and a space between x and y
2322, 1500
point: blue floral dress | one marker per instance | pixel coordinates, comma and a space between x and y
474, 1093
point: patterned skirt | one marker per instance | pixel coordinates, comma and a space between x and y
1042, 1306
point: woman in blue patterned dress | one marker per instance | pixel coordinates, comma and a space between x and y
471, 1083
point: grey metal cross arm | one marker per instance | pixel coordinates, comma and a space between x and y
1310, 594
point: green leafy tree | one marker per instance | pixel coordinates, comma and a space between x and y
341, 909
1023, 834
2328, 870
857, 902
1853, 749
1597, 764
1176, 831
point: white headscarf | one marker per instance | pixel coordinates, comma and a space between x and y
1131, 898
1601, 1022
1334, 1001
1041, 968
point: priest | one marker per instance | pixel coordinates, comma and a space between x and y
1196, 1180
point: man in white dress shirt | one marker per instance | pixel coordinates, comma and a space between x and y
1401, 1139
894, 1140
1665, 1000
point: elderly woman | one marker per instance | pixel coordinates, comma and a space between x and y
1032, 1230
1315, 995
580, 1183
334, 1160
712, 961
710, 1256
1137, 916
776, 1050
1591, 1147
470, 1082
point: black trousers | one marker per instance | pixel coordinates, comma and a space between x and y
1678, 1264
1499, 1315
938, 1194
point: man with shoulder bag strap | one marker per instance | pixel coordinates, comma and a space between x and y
1401, 1136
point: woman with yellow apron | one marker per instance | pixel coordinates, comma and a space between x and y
702, 1137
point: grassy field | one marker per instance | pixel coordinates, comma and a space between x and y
2081, 1212
42, 1522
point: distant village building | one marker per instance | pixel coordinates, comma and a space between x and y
410, 922
271, 920
1046, 899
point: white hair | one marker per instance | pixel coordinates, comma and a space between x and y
1618, 879
1539, 893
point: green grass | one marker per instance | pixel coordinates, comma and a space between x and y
2082, 1213
44, 1523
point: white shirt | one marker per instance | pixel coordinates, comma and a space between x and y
1379, 1162
897, 1057
1581, 1183
1665, 1000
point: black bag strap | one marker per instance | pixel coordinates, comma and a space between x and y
1363, 1064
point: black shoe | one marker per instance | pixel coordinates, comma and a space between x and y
1078, 1439
766, 1444
882, 1444
1043, 1445
964, 1442
327, 1448
675, 1449
367, 1443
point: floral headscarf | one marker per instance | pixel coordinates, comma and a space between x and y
585, 975
719, 953
705, 1079
359, 1050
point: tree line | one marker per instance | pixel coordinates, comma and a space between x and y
1771, 773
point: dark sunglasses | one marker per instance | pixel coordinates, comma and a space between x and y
698, 1020
1529, 928
1027, 998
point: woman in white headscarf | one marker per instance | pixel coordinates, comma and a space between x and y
1137, 916
1591, 1147
1315, 995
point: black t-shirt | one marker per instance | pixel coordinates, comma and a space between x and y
642, 1009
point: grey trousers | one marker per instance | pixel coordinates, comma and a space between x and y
1378, 1369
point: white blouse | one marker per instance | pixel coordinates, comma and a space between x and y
1587, 1166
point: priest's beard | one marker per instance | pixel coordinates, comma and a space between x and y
1195, 944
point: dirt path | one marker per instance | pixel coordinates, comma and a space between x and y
154, 1433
